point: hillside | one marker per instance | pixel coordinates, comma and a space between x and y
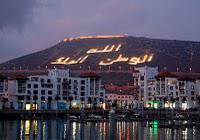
117, 52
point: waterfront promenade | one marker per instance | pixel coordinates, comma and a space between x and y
120, 114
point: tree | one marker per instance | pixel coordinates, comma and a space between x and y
35, 99
4, 102
49, 102
165, 100
57, 98
70, 101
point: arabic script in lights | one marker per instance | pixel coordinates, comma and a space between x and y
69, 61
130, 60
106, 49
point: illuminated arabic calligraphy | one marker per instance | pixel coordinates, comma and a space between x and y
107, 49
131, 60
68, 61
120, 58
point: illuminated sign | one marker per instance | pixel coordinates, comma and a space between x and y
130, 60
133, 60
69, 61
107, 49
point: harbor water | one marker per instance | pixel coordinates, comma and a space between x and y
63, 129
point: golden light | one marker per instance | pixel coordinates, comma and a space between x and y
93, 37
28, 106
69, 61
102, 36
140, 60
106, 49
104, 106
120, 58
27, 127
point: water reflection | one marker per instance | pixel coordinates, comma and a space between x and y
67, 130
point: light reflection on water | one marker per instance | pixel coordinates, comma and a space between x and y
67, 130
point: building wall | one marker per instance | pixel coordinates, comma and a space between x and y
53, 91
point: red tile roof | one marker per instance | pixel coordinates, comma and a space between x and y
166, 74
90, 74
18, 77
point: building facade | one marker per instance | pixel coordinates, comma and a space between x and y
120, 100
56, 90
167, 89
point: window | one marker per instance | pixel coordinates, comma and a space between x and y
142, 78
82, 93
171, 88
42, 80
82, 87
21, 86
28, 91
29, 85
50, 92
192, 92
1, 86
58, 80
35, 85
20, 98
192, 87
35, 92
48, 81
82, 81
42, 98
101, 94
43, 92
192, 98
28, 98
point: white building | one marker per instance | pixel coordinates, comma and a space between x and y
3, 91
166, 89
52, 91
144, 79
87, 90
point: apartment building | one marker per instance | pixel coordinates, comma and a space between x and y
56, 90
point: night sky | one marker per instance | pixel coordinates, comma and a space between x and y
28, 26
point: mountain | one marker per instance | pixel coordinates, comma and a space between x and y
114, 52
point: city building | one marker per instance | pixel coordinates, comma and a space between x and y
87, 90
144, 79
120, 100
56, 90
166, 89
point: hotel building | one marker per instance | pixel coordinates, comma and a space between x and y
56, 90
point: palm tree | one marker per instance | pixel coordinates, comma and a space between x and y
57, 98
35, 99
165, 100
172, 101
4, 102
49, 102
70, 102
